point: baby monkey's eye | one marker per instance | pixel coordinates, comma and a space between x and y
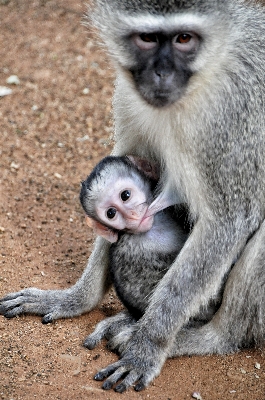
111, 212
125, 195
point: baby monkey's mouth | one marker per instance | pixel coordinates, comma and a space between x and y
139, 222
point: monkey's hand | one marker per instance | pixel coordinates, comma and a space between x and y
141, 362
52, 304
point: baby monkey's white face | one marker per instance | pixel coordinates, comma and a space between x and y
123, 206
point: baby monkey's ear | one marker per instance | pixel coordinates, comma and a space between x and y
151, 170
102, 230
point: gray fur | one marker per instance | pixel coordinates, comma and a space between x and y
211, 143
109, 328
162, 7
138, 262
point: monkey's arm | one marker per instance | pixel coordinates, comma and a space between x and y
54, 304
194, 278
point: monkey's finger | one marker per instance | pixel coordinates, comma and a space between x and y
117, 375
12, 313
104, 373
55, 314
93, 340
10, 296
130, 379
144, 382
16, 306
48, 318
18, 303
90, 343
10, 308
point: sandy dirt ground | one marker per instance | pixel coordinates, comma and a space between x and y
54, 127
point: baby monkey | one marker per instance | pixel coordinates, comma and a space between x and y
115, 197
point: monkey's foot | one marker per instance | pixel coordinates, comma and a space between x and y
201, 341
140, 363
109, 328
52, 304
119, 342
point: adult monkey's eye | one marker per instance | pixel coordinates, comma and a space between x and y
125, 195
183, 38
146, 41
186, 42
148, 37
111, 212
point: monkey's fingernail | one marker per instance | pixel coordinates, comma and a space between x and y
47, 319
120, 388
89, 344
139, 387
107, 385
99, 376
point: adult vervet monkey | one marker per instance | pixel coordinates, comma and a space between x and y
190, 95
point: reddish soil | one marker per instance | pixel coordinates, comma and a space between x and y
52, 133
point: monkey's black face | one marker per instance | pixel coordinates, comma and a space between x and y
162, 69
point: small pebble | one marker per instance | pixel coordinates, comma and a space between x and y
14, 165
4, 91
13, 80
82, 139
196, 396
257, 366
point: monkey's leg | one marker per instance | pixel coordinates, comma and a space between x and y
54, 304
240, 321
194, 278
108, 328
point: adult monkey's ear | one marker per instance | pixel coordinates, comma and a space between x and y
151, 170
102, 230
